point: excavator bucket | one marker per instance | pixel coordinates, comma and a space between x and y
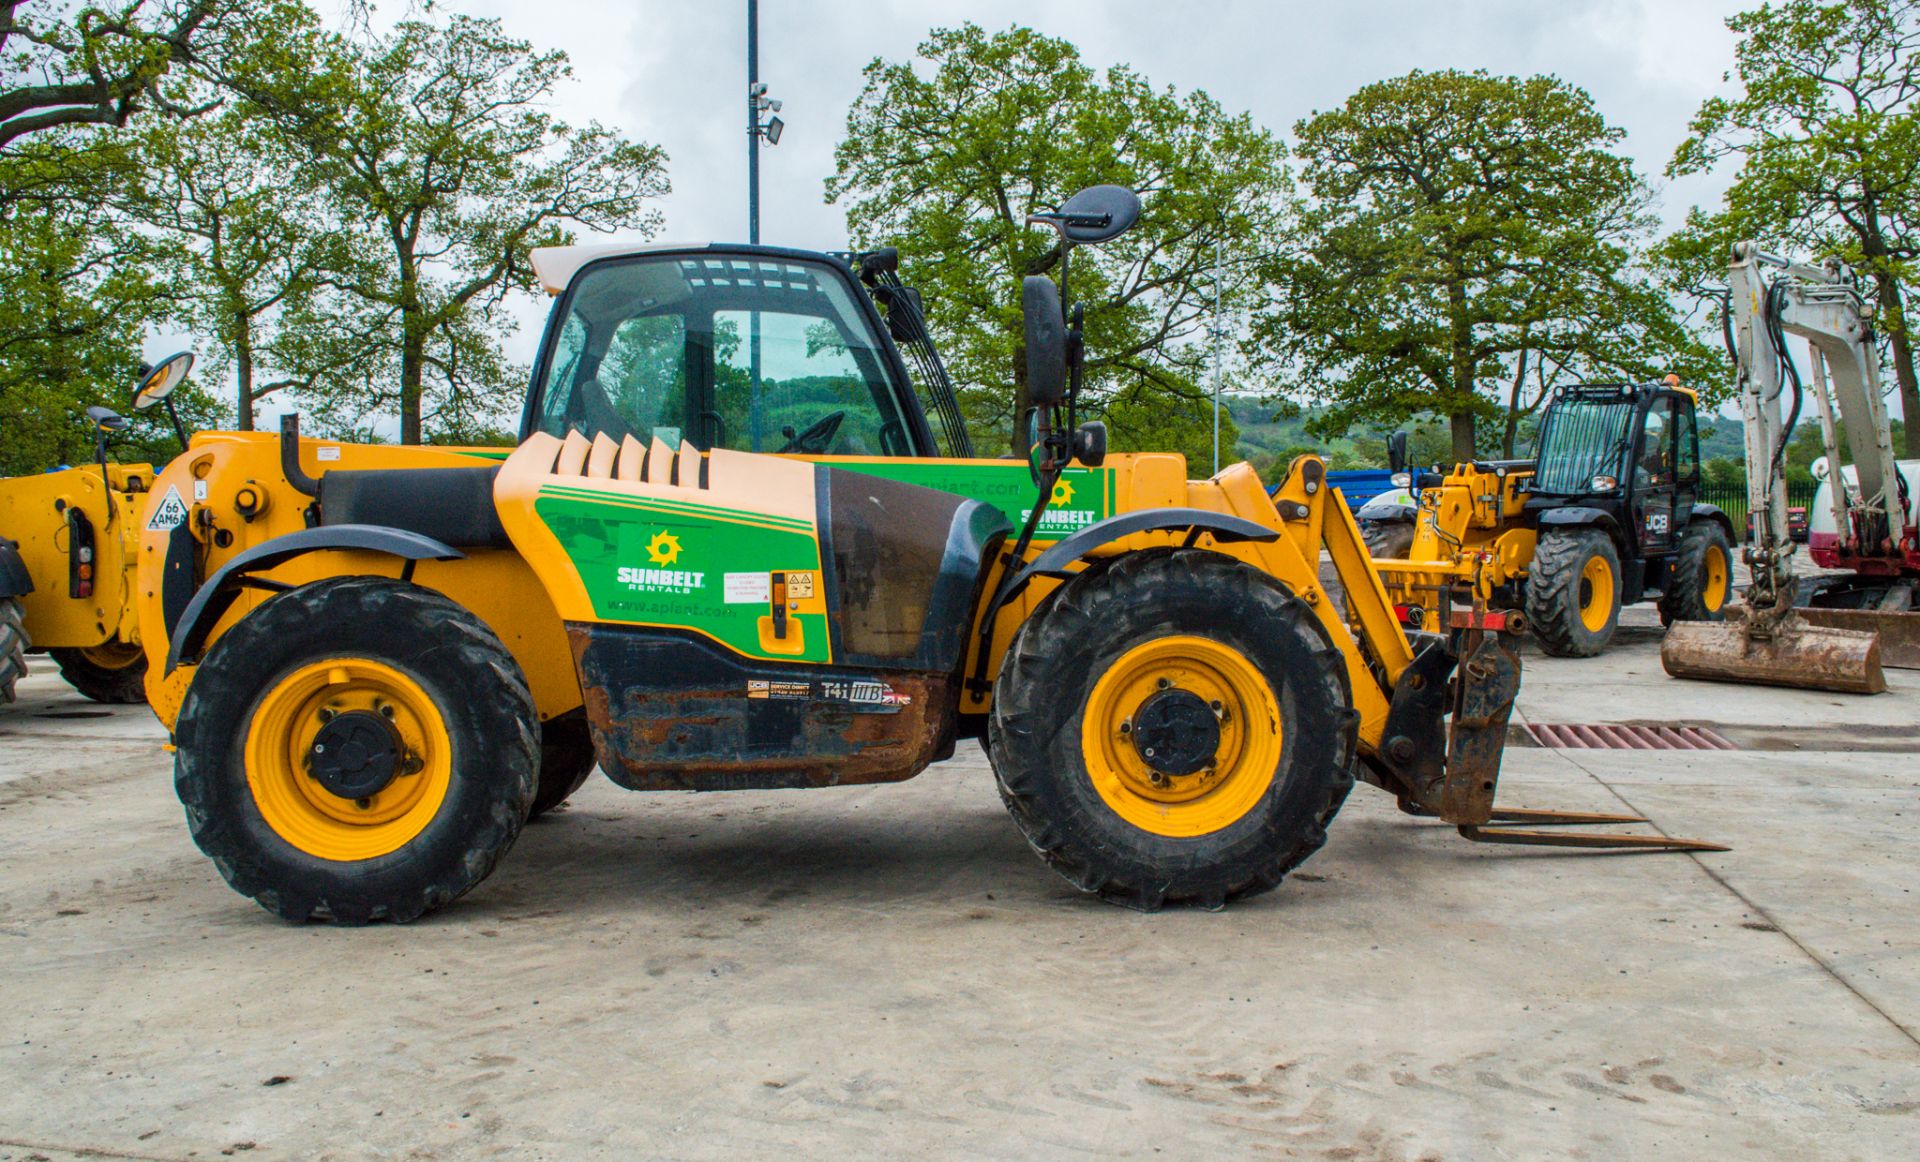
1793, 653
1899, 632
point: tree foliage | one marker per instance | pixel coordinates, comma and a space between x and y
438, 154
64, 65
946, 155
1466, 242
1824, 130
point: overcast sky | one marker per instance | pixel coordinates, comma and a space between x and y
673, 72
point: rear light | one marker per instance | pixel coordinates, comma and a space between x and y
86, 571
1493, 619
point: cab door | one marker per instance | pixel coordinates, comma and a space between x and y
1655, 476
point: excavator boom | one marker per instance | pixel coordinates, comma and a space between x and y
1764, 640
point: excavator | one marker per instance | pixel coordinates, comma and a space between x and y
1835, 641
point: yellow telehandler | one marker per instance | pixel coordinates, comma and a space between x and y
68, 542
741, 545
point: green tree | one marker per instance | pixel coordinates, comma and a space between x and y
435, 141
1464, 238
1825, 133
76, 295
945, 157
62, 67
243, 234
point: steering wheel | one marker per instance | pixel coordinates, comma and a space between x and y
817, 436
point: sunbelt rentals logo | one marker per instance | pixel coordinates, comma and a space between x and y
663, 552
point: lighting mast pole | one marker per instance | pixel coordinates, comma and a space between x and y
754, 92
757, 103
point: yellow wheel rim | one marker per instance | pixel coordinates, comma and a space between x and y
1596, 594
1230, 781
293, 801
1717, 583
112, 654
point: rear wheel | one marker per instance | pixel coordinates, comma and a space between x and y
1392, 539
1573, 591
1173, 728
357, 749
13, 646
1700, 583
113, 671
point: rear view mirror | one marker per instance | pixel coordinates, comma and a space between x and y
159, 383
106, 419
1099, 214
1046, 340
1397, 452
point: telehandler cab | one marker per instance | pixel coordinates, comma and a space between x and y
729, 553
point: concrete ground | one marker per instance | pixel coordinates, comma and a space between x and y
889, 972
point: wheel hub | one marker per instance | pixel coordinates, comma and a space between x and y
355, 755
1175, 732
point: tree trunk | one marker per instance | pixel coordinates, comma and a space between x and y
1903, 369
412, 369
1513, 407
243, 373
1462, 359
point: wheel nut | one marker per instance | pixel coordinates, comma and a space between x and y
326, 715
1126, 726
1166, 683
386, 710
363, 804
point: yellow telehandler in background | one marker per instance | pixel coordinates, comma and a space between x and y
68, 543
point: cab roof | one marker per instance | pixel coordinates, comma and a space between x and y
555, 266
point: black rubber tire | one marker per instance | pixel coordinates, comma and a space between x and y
126, 686
1388, 538
566, 759
1041, 695
13, 646
1685, 596
1553, 591
475, 685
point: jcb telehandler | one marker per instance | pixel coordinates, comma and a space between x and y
729, 554
1605, 515
68, 541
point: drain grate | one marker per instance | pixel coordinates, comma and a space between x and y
1609, 736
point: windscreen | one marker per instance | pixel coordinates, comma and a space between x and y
752, 353
1580, 440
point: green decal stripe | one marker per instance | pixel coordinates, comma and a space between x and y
642, 566
681, 508
1007, 486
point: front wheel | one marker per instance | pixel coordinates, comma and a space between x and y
356, 749
1573, 591
1173, 728
113, 671
13, 646
1390, 539
1700, 581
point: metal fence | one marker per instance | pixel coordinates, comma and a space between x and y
1732, 499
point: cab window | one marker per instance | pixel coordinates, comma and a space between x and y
1655, 463
751, 353
1686, 444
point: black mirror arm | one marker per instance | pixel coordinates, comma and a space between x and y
179, 429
